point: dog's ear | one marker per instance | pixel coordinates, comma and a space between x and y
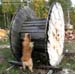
29, 36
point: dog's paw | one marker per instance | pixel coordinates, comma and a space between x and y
30, 68
23, 65
31, 44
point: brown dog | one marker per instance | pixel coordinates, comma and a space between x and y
26, 52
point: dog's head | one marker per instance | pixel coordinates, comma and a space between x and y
27, 36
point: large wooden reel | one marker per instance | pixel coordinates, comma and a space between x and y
47, 34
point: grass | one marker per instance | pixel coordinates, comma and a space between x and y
4, 42
70, 45
7, 57
67, 62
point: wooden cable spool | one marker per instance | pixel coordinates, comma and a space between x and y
47, 34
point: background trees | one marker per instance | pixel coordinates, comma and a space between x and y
72, 16
40, 7
8, 8
41, 10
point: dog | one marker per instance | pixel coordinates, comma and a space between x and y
26, 52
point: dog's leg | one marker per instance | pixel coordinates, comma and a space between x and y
24, 66
30, 66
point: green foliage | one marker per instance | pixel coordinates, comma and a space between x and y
72, 16
40, 8
9, 6
0, 9
41, 11
65, 3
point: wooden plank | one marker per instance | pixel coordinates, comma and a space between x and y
33, 31
16, 63
34, 21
